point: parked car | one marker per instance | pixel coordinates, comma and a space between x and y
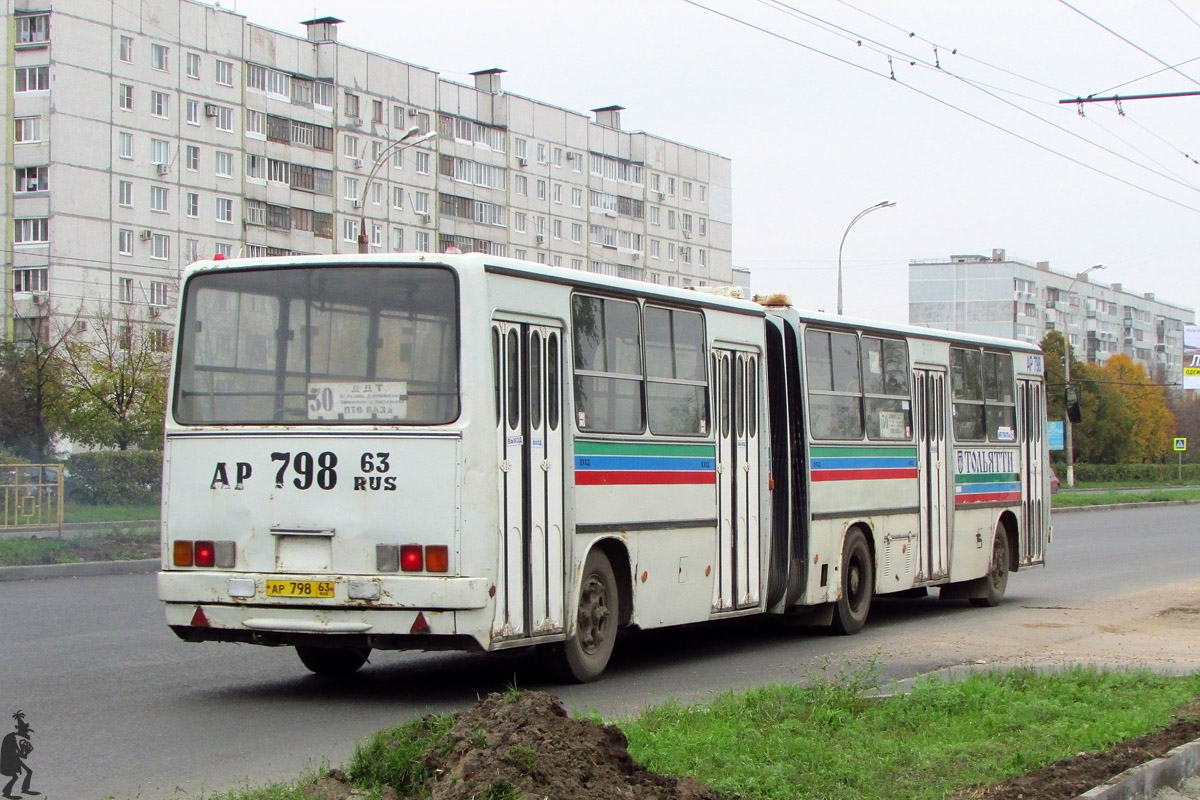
1053, 481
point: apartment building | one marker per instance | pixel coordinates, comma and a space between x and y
147, 135
1001, 296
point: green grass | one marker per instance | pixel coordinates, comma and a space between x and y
73, 512
837, 739
116, 544
1075, 499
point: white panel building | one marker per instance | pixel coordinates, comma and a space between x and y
146, 135
1000, 296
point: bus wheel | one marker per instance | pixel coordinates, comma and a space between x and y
996, 580
587, 652
858, 581
331, 662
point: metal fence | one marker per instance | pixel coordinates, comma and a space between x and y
31, 496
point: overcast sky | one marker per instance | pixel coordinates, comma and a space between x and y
978, 154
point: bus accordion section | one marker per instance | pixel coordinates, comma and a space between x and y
420, 452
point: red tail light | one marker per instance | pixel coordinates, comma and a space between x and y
206, 554
410, 558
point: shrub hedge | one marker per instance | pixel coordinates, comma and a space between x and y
1135, 473
117, 477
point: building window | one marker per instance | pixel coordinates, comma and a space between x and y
521, 185
398, 197
125, 245
224, 119
541, 189
654, 248
421, 203
256, 212
31, 179
32, 79
323, 94
28, 130
193, 158
159, 295
31, 280
350, 229
702, 224
34, 29
256, 167
350, 188
125, 49
577, 232
224, 166
159, 197
302, 91
351, 105
350, 146
193, 111
193, 204
160, 104
519, 222
125, 193
256, 122
160, 151
32, 231
224, 250
224, 72
159, 57
557, 192
193, 65
279, 83
125, 97
160, 246
422, 242
277, 171
577, 196
224, 209
423, 163
377, 110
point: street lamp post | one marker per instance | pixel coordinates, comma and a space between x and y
1068, 437
861, 214
403, 142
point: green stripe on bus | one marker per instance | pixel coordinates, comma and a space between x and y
583, 448
864, 452
988, 477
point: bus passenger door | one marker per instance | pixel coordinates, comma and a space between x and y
1031, 403
528, 397
933, 460
736, 409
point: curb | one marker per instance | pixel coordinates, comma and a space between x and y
82, 569
1143, 781
1118, 506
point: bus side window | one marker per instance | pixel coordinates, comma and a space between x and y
514, 380
496, 372
553, 390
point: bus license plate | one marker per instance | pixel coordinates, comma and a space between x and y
300, 588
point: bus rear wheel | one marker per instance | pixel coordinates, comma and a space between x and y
995, 583
858, 584
332, 662
586, 654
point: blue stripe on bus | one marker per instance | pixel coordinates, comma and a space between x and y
639, 463
864, 463
987, 488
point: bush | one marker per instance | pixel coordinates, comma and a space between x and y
118, 477
1134, 473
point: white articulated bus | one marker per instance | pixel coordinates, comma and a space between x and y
430, 451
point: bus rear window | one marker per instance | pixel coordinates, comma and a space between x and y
319, 345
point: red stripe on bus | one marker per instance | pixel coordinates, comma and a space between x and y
862, 474
987, 497
599, 477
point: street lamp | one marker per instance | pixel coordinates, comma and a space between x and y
403, 142
861, 214
1068, 439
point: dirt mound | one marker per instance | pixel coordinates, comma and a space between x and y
524, 746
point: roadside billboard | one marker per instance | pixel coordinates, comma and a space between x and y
1191, 357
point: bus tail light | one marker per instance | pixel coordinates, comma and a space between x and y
437, 558
410, 558
188, 553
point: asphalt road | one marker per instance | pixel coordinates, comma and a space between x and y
120, 707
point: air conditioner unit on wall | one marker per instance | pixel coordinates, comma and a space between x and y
144, 235
522, 161
211, 110
541, 237
355, 204
162, 169
39, 298
358, 163
426, 218
412, 112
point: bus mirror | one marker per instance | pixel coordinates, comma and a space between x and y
1072, 402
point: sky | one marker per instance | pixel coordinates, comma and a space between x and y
962, 128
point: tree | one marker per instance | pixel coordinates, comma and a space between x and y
1151, 424
1187, 422
32, 392
116, 379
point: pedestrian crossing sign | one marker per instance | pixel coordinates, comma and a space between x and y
1180, 444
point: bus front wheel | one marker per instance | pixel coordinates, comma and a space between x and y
330, 662
586, 653
858, 584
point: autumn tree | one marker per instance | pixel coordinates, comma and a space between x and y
1151, 424
116, 379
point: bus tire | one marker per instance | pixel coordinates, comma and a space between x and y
858, 581
332, 662
996, 581
586, 653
